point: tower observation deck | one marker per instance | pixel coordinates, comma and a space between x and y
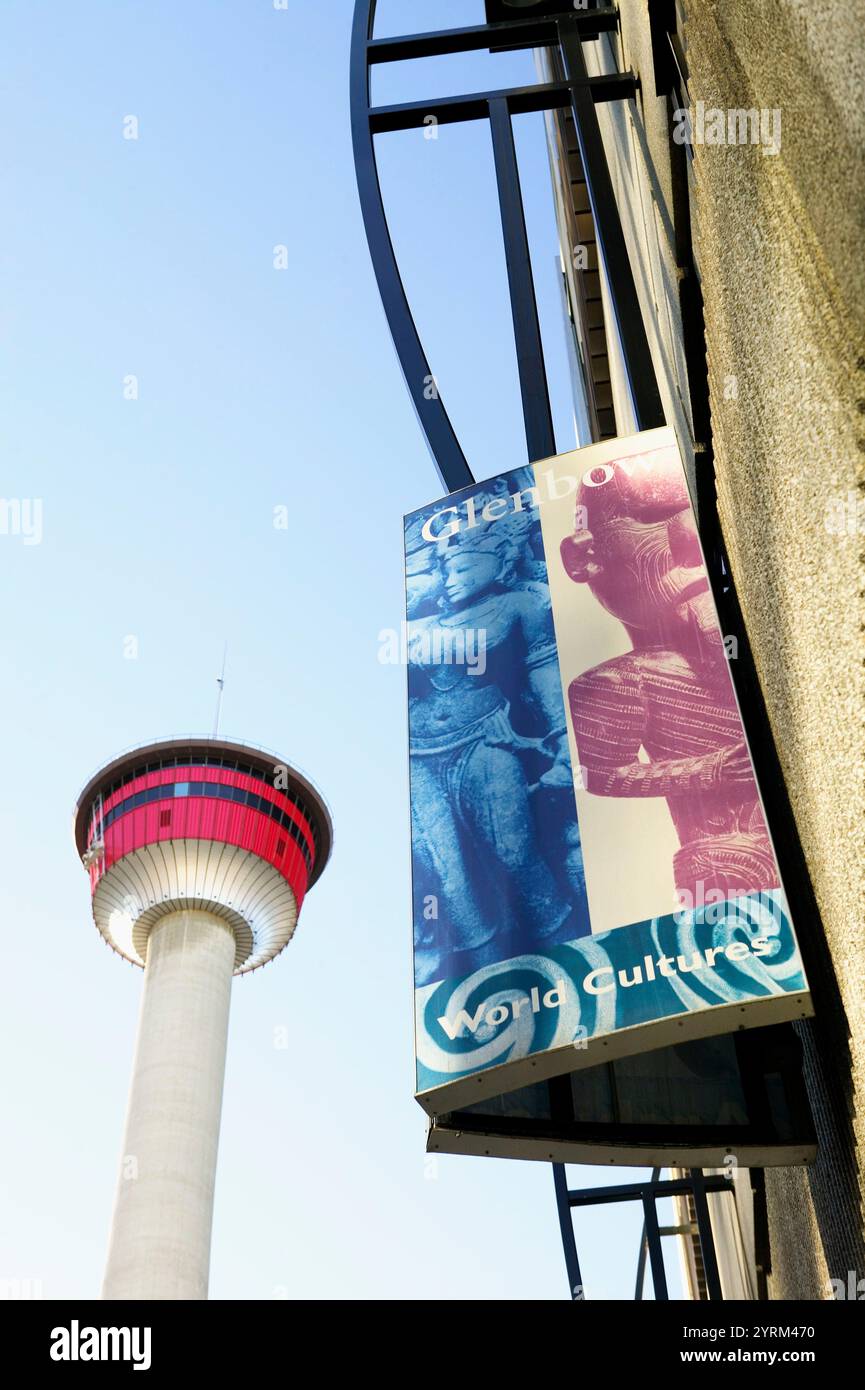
200, 853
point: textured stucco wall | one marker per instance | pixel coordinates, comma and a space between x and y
779, 240
799, 1268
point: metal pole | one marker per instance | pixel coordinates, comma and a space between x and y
566, 1225
540, 437
641, 1259
707, 1241
641, 1267
435, 423
608, 229
653, 1240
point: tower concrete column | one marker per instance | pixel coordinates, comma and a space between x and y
160, 1236
199, 853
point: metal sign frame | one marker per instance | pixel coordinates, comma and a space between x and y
566, 31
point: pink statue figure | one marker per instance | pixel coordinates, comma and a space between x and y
671, 697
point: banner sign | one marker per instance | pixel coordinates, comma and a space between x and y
592, 872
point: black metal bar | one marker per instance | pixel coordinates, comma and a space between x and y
641, 1259
608, 229
525, 33
641, 1267
438, 430
762, 1244
474, 106
707, 1240
653, 1240
566, 1225
633, 1191
696, 1184
538, 419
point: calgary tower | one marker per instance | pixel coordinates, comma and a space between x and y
199, 853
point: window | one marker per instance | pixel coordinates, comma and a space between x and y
192, 759
214, 790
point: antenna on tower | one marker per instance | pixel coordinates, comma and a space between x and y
220, 681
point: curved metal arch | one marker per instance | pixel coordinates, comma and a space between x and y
434, 420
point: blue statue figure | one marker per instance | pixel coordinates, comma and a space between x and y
489, 759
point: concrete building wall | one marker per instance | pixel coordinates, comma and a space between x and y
779, 244
777, 241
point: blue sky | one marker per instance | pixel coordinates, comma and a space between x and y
257, 388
